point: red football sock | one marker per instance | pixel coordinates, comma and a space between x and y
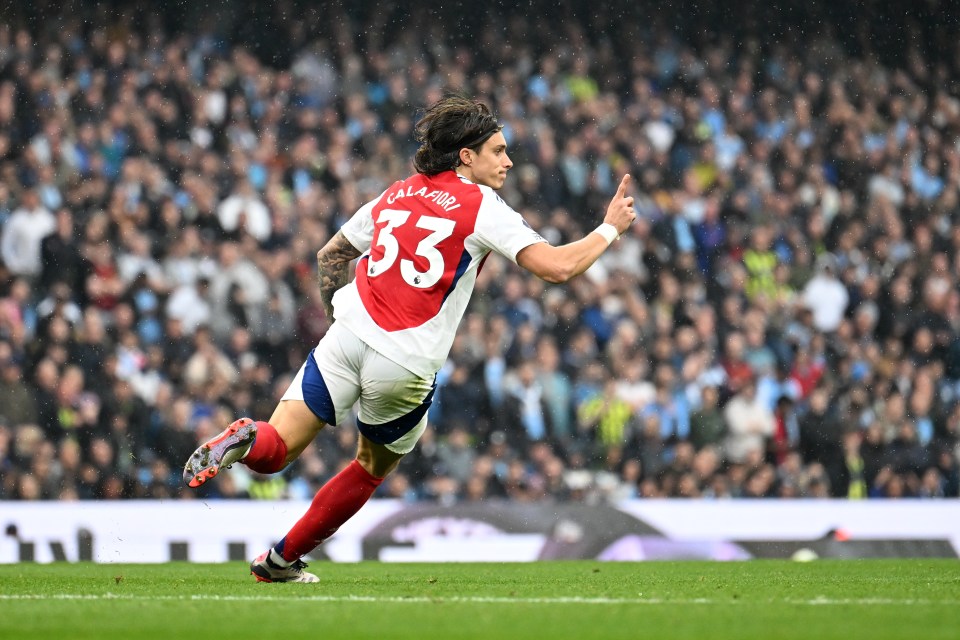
269, 451
335, 503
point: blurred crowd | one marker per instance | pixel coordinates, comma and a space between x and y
783, 320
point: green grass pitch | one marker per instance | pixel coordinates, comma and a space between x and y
548, 600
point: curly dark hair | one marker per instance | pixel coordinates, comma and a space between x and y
452, 124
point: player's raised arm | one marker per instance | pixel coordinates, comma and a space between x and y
559, 264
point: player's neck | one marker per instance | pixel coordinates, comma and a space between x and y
464, 172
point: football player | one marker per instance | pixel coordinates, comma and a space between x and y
420, 246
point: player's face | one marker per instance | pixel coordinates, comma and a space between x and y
489, 167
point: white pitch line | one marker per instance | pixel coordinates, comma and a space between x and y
477, 600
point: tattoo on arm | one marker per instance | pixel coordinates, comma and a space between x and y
333, 268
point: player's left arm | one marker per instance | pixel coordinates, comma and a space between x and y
333, 268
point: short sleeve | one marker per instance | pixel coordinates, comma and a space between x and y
359, 228
501, 228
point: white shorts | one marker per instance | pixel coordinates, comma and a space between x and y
343, 370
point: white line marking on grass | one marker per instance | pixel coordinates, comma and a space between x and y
819, 601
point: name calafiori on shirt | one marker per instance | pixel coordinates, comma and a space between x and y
443, 198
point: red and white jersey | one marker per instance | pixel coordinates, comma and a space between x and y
424, 240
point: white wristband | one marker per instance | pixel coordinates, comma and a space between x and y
608, 231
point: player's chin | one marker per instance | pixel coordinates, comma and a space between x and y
494, 182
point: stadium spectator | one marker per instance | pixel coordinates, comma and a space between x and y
23, 233
749, 423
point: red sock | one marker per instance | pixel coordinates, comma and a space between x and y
335, 503
269, 451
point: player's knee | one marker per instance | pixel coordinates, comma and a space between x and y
377, 460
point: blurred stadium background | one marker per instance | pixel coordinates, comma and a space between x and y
782, 324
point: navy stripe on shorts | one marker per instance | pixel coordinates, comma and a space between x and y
315, 392
397, 428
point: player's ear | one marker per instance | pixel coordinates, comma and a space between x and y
466, 157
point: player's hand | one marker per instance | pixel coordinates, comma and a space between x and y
620, 212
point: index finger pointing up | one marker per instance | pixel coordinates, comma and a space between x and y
622, 189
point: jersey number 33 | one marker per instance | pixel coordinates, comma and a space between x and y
415, 261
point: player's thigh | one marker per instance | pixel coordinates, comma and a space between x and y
389, 390
323, 391
296, 425
393, 404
